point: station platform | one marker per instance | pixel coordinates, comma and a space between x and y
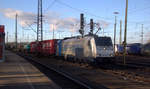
17, 73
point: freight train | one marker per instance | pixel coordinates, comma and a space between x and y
86, 49
134, 49
131, 49
146, 49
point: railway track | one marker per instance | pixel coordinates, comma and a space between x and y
140, 64
136, 61
118, 65
135, 65
128, 71
63, 79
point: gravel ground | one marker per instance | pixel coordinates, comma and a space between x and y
139, 74
113, 79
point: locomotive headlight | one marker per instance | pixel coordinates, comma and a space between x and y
104, 48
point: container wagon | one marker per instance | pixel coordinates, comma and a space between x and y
46, 47
59, 48
145, 50
134, 49
119, 49
2, 43
32, 47
49, 47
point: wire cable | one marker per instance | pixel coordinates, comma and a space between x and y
79, 10
50, 5
142, 9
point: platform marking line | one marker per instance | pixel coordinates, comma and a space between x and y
26, 75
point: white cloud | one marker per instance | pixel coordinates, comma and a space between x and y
103, 23
52, 18
29, 18
72, 24
23, 17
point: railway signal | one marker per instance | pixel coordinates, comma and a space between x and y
91, 26
81, 24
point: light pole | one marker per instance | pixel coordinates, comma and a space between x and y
7, 37
115, 29
120, 39
16, 30
54, 28
125, 31
53, 31
59, 33
142, 35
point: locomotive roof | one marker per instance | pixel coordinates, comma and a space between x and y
80, 38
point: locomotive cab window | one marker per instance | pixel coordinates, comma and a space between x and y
103, 41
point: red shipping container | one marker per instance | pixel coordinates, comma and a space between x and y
2, 43
1, 28
49, 47
33, 47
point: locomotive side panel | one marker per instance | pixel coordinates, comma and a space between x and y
78, 48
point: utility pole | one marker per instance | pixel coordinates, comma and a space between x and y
142, 35
39, 22
53, 31
59, 35
125, 32
81, 24
16, 31
120, 39
115, 32
115, 29
7, 37
23, 34
28, 38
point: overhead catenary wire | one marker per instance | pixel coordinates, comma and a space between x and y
81, 10
91, 14
31, 28
50, 5
142, 9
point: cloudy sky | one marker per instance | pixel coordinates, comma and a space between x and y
64, 15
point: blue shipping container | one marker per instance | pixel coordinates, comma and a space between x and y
134, 48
